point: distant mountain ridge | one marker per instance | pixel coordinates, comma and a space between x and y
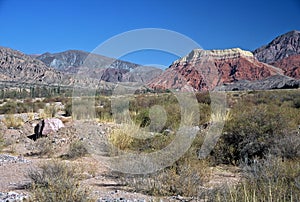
281, 47
237, 69
206, 69
76, 58
19, 67
70, 67
98, 67
273, 66
282, 52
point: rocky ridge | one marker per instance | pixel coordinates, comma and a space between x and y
281, 47
290, 66
18, 67
270, 83
206, 69
216, 54
98, 67
282, 52
63, 69
199, 70
71, 59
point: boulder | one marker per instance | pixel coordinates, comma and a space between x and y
47, 126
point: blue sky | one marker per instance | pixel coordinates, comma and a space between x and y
38, 26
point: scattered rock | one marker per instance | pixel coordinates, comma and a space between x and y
5, 158
12, 196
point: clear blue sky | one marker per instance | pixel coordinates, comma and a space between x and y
38, 26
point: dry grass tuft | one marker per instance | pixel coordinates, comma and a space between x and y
12, 122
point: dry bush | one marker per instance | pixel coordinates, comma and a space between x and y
7, 142
92, 168
1, 141
288, 146
85, 168
49, 112
122, 137
77, 149
12, 122
270, 179
68, 108
11, 146
44, 146
183, 178
30, 116
57, 181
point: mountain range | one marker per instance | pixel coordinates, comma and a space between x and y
272, 66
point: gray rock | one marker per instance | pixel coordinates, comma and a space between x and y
6, 159
70, 60
12, 196
273, 82
281, 47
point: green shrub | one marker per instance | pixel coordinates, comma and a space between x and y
141, 106
251, 132
9, 108
83, 108
12, 107
203, 98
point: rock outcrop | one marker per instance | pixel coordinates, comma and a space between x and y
290, 66
283, 52
273, 82
281, 47
205, 69
142, 74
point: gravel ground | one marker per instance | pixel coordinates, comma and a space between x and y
12, 196
10, 171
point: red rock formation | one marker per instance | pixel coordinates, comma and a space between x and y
290, 66
204, 70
